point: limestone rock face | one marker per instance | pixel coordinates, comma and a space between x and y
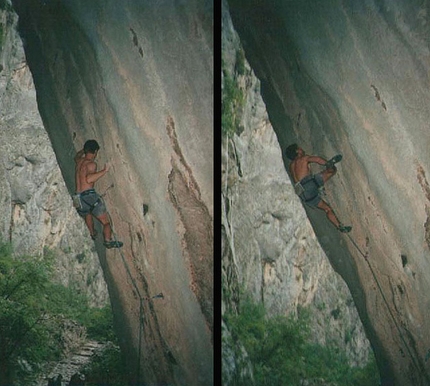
137, 77
352, 78
269, 248
35, 205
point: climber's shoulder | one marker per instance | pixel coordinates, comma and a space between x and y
86, 167
91, 166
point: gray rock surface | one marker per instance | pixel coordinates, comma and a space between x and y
36, 207
352, 78
73, 363
269, 247
138, 77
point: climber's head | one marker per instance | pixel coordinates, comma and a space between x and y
293, 151
91, 146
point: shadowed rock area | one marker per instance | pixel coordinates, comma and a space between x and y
137, 77
34, 202
269, 250
352, 78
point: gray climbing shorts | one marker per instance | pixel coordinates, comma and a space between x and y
308, 189
89, 202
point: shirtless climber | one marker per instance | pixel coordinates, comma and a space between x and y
307, 185
86, 201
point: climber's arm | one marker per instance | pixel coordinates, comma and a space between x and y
290, 169
316, 159
93, 175
79, 155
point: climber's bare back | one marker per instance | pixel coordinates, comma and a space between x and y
300, 166
84, 167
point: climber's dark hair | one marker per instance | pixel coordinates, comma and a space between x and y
291, 151
91, 146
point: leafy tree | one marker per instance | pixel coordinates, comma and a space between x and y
107, 369
281, 352
23, 303
33, 310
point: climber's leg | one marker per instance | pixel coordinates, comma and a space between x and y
328, 173
332, 217
107, 229
107, 232
329, 212
90, 224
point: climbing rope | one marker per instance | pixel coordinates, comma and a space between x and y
127, 268
414, 356
112, 185
135, 286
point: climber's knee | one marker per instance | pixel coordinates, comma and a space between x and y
104, 219
328, 210
325, 207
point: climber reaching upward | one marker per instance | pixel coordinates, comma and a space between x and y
86, 200
307, 185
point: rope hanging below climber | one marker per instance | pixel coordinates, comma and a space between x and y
308, 187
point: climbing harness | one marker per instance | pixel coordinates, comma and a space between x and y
77, 201
301, 191
78, 198
298, 188
307, 195
414, 356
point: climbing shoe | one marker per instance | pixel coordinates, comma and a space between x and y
94, 236
344, 229
330, 163
113, 244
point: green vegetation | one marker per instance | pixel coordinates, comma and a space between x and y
233, 100
281, 352
240, 62
5, 6
8, 9
33, 311
107, 369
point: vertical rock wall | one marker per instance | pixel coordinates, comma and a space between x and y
269, 248
35, 206
137, 77
352, 78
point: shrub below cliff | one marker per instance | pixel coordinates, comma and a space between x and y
281, 352
233, 99
108, 368
41, 320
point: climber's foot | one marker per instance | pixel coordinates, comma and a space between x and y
94, 235
330, 163
344, 229
337, 158
113, 244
